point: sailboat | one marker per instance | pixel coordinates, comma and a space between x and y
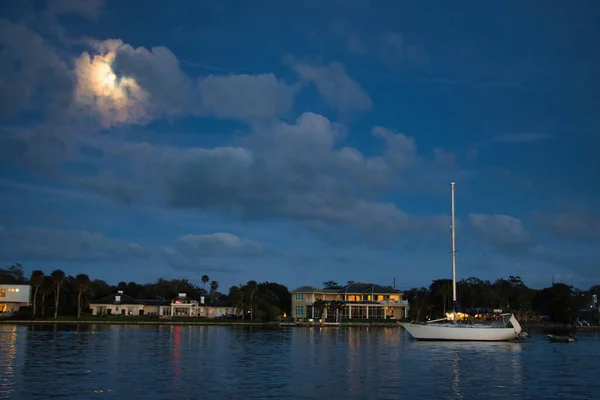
507, 328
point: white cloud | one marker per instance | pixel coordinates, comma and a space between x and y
115, 100
246, 97
293, 171
334, 84
502, 231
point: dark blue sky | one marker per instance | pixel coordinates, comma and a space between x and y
300, 142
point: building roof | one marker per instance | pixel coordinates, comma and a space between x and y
352, 288
112, 299
155, 302
359, 287
307, 289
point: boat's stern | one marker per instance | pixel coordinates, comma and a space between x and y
516, 325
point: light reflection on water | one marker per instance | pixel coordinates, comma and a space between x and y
217, 362
8, 354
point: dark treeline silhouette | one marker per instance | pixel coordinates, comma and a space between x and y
560, 302
57, 294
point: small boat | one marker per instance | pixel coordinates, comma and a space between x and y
561, 339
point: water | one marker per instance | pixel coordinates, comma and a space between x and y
220, 362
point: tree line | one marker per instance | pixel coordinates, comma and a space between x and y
56, 293
559, 302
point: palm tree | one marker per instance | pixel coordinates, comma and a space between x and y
252, 288
205, 280
83, 283
337, 306
58, 277
320, 306
37, 280
214, 285
47, 289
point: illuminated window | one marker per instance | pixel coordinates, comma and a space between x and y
351, 298
2, 292
379, 298
17, 289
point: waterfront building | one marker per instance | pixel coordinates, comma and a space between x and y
13, 297
181, 306
358, 301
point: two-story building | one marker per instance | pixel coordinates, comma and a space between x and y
13, 297
359, 300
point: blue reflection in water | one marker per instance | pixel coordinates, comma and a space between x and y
218, 362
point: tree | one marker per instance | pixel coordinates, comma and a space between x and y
58, 277
331, 285
338, 307
37, 280
12, 275
205, 280
47, 289
320, 305
83, 283
251, 289
214, 285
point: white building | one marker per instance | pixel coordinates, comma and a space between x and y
13, 297
181, 306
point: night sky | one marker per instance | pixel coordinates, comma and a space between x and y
301, 141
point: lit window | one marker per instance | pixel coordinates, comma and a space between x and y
2, 292
16, 290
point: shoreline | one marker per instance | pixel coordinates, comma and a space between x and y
74, 321
130, 322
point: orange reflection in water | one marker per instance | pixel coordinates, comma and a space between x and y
8, 354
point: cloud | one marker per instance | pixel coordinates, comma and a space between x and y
391, 47
112, 99
574, 225
333, 83
395, 51
43, 244
39, 148
209, 252
246, 97
130, 85
509, 236
293, 171
32, 73
222, 244
298, 171
503, 232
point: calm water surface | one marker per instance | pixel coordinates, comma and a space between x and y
219, 362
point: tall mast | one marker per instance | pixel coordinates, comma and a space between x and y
453, 250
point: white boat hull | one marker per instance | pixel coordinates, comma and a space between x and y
459, 332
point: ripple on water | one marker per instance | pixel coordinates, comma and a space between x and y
208, 362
